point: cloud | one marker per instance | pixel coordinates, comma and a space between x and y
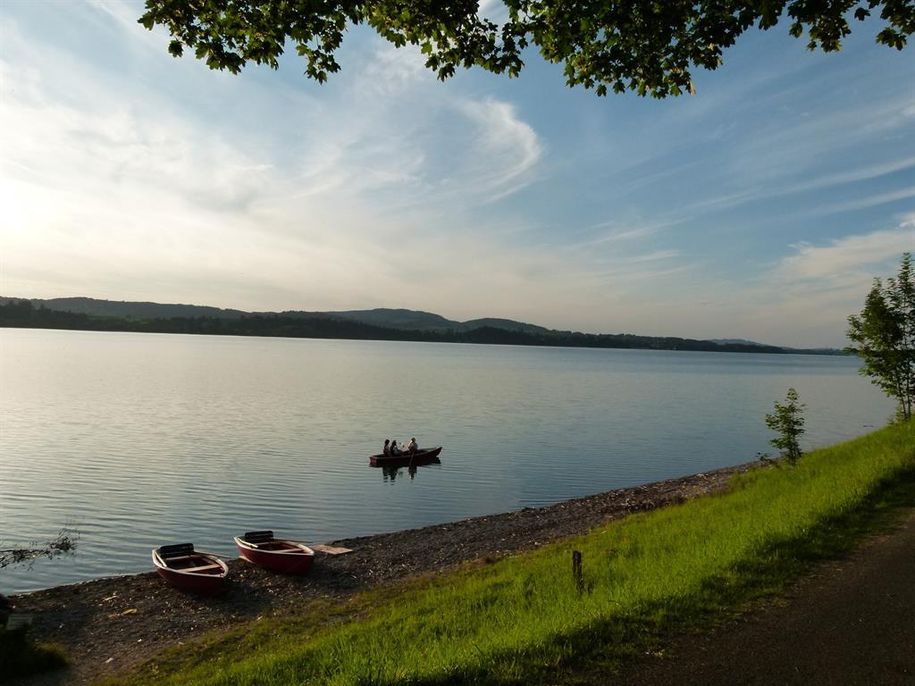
865, 173
625, 233
807, 140
391, 71
811, 291
126, 14
802, 299
851, 255
506, 149
863, 203
117, 192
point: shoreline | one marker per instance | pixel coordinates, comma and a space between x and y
113, 623
763, 349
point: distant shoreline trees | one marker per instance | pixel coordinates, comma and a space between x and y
23, 314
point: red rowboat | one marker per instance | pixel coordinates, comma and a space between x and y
275, 554
428, 456
190, 570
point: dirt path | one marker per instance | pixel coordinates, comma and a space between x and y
850, 622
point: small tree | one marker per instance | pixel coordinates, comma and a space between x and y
788, 421
884, 336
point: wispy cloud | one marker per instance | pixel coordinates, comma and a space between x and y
800, 144
865, 173
507, 147
626, 233
860, 254
817, 286
124, 200
863, 203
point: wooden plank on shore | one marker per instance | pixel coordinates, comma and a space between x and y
17, 621
329, 549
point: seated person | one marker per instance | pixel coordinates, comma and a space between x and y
395, 449
387, 447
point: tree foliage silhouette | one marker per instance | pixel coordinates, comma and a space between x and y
788, 422
647, 46
883, 334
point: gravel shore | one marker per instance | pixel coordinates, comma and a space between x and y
110, 624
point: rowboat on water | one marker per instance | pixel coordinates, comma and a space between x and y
190, 570
275, 554
427, 456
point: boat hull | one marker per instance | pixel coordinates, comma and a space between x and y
428, 456
295, 558
210, 582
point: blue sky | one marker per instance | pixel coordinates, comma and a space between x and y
760, 208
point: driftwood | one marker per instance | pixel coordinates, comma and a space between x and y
64, 543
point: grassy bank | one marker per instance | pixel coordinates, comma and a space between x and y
519, 619
20, 656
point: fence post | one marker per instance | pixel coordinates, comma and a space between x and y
576, 571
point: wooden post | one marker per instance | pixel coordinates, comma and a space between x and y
576, 571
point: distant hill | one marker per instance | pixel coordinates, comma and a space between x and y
735, 341
378, 324
507, 324
129, 309
412, 320
409, 320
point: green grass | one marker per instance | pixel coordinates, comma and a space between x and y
20, 656
521, 619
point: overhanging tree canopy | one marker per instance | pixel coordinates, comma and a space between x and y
646, 46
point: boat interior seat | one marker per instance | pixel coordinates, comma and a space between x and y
258, 536
202, 568
168, 552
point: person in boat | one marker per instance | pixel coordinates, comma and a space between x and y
387, 447
395, 449
412, 446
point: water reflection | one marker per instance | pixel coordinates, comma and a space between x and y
391, 473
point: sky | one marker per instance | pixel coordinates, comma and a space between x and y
761, 207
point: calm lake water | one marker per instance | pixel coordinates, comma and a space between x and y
142, 439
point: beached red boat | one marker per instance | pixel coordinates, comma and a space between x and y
427, 456
190, 570
275, 554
